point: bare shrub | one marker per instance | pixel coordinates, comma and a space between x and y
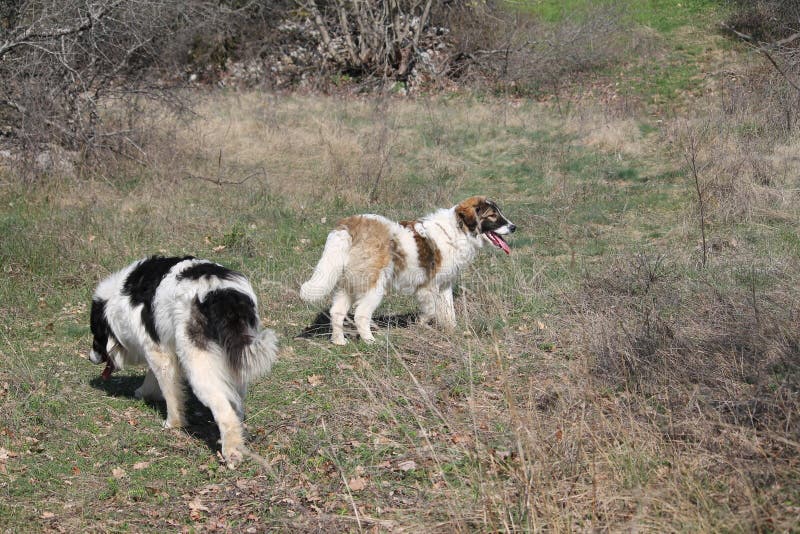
760, 100
765, 20
361, 37
738, 169
772, 28
733, 333
64, 62
495, 43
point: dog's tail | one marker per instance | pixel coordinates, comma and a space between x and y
229, 318
330, 267
256, 359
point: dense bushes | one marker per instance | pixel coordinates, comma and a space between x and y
61, 62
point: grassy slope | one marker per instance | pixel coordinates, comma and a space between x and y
676, 32
502, 427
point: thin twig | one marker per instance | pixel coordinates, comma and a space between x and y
344, 479
692, 157
219, 181
763, 48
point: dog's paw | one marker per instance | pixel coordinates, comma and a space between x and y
232, 455
341, 341
234, 458
174, 422
368, 340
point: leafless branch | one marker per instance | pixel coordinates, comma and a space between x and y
218, 180
765, 48
370, 36
62, 61
25, 36
691, 156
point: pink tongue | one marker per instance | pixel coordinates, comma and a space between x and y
498, 241
106, 374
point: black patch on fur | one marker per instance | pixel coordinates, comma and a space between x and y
199, 270
486, 225
100, 329
228, 318
489, 226
142, 283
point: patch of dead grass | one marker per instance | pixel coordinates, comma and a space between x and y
578, 393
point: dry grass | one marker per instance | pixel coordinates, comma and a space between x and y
709, 368
599, 379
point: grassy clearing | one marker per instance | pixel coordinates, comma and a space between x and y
544, 411
599, 378
662, 15
669, 47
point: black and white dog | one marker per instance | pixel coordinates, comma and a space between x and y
185, 317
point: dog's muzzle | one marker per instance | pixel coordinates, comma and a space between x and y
98, 357
94, 357
495, 236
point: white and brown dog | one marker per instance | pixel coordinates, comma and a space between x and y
365, 255
185, 318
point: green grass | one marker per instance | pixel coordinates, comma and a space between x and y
502, 426
663, 16
680, 35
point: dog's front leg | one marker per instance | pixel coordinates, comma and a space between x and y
149, 389
166, 369
444, 309
427, 305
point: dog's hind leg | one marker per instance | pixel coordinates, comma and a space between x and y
339, 309
211, 382
366, 306
167, 371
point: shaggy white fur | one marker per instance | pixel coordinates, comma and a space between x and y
185, 318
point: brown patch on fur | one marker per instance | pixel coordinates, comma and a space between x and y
398, 255
430, 257
195, 327
468, 212
370, 252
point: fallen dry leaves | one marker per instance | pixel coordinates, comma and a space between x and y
407, 465
118, 473
357, 483
314, 380
196, 507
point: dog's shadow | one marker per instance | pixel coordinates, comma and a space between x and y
200, 422
321, 326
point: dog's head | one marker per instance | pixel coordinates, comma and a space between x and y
105, 347
481, 217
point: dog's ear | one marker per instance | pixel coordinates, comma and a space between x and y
468, 214
483, 206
